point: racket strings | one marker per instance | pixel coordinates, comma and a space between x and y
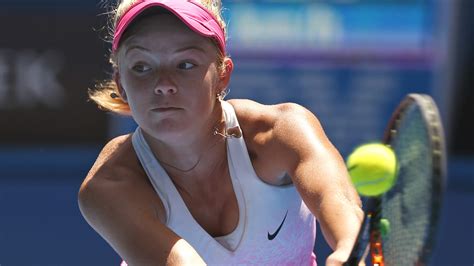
416, 137
412, 205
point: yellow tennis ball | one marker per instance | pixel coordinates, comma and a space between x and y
373, 168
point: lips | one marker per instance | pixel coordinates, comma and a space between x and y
165, 109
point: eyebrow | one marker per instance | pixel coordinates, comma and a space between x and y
134, 46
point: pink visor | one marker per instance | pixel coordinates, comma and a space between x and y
195, 16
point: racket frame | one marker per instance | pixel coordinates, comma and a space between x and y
370, 228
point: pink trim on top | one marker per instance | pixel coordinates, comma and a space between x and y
191, 13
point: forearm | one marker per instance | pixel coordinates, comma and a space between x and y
135, 233
165, 253
151, 249
184, 254
331, 197
340, 219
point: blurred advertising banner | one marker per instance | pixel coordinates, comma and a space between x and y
308, 26
353, 103
49, 57
350, 62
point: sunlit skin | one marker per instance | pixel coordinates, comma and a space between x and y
171, 84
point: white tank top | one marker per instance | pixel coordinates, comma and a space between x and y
275, 227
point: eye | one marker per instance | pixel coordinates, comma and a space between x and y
186, 65
141, 68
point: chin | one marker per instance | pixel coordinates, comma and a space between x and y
168, 132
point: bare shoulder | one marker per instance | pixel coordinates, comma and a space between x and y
253, 114
254, 117
115, 164
113, 159
118, 201
257, 122
116, 172
280, 132
116, 180
274, 121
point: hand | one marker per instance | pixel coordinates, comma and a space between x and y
338, 258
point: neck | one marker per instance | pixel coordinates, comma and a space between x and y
195, 153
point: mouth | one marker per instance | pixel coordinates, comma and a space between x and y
165, 109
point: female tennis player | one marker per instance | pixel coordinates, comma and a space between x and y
203, 179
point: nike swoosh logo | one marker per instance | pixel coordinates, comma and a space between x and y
272, 236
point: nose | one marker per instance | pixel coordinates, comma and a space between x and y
165, 89
164, 86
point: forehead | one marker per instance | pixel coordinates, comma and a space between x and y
162, 28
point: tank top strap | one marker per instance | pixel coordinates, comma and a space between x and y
158, 177
237, 149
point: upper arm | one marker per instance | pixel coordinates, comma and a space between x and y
307, 154
293, 138
318, 166
320, 176
124, 209
127, 221
314, 164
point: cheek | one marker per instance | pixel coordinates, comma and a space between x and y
132, 83
200, 97
210, 89
212, 80
201, 85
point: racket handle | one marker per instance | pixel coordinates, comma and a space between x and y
376, 250
360, 247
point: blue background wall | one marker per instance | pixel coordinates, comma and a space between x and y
349, 64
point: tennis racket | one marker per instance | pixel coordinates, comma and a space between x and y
412, 206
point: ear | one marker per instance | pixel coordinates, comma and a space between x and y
121, 91
224, 77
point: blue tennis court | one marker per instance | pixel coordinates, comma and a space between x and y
40, 222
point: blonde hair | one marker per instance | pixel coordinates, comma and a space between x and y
106, 94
